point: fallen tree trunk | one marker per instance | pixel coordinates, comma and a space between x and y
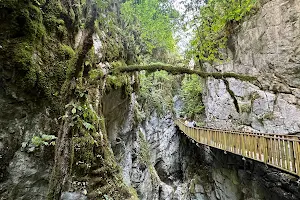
181, 70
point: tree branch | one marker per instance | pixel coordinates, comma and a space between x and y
181, 70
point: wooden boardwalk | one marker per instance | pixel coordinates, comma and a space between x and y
280, 151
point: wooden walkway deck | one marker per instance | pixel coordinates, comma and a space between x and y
280, 151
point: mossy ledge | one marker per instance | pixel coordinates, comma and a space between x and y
181, 70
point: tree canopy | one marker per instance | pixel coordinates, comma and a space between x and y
213, 23
155, 21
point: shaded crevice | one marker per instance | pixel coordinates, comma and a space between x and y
231, 93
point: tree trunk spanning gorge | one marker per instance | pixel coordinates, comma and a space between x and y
71, 126
181, 70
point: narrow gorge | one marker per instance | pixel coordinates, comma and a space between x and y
90, 89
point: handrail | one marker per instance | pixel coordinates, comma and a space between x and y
280, 151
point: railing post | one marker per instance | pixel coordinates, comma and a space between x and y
293, 166
243, 145
297, 154
287, 151
266, 156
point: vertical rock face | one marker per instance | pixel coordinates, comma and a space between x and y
161, 163
24, 167
266, 46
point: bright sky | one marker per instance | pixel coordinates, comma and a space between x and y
183, 36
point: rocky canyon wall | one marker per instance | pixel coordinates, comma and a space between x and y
265, 45
163, 164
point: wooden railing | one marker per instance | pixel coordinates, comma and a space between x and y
280, 151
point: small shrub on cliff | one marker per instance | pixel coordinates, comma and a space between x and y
191, 95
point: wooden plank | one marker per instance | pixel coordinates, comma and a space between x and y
259, 147
284, 160
205, 137
212, 138
262, 148
225, 135
217, 139
276, 151
250, 146
230, 142
256, 147
243, 145
279, 151
246, 145
253, 146
293, 167
220, 140
233, 141
192, 133
298, 155
208, 137
249, 138
282, 153
216, 136
270, 150
240, 145
236, 143
287, 152
235, 138
266, 155
201, 136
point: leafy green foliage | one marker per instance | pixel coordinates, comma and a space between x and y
82, 116
156, 92
214, 24
44, 139
155, 21
191, 95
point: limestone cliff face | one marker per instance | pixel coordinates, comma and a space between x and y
265, 45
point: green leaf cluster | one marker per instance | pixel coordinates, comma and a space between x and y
214, 25
156, 92
44, 139
155, 19
82, 116
191, 95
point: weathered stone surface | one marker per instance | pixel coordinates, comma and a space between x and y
266, 46
72, 196
24, 169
